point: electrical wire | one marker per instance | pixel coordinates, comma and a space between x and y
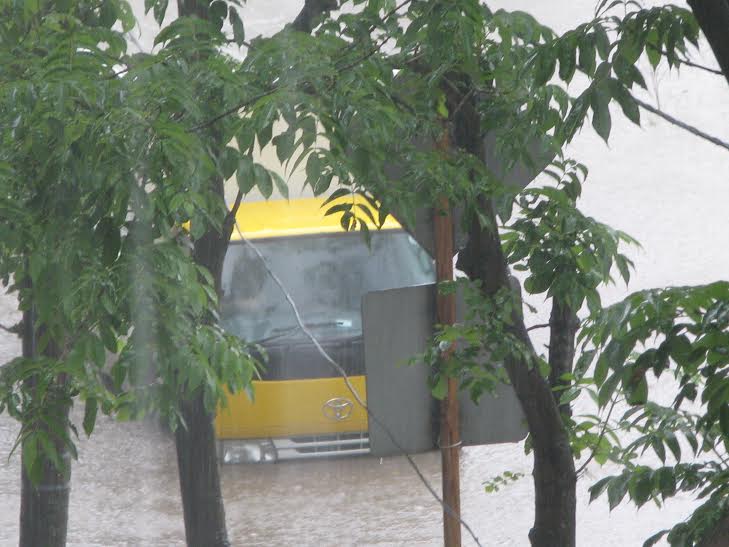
352, 389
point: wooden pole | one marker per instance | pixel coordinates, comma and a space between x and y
449, 418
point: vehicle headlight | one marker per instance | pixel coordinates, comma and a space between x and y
247, 451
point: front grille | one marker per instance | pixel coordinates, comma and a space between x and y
301, 360
318, 446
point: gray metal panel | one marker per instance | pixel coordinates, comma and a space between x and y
498, 417
398, 324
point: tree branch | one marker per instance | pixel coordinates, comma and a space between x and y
229, 221
310, 14
684, 61
683, 125
233, 110
15, 329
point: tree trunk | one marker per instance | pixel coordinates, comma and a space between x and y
554, 470
197, 461
563, 325
44, 506
713, 18
719, 535
197, 464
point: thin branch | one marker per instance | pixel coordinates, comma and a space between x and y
686, 62
540, 326
599, 439
701, 67
229, 221
252, 100
234, 109
683, 125
11, 330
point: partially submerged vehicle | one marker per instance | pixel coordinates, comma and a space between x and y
301, 405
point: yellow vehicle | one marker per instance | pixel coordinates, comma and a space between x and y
302, 407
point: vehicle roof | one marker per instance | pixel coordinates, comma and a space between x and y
295, 217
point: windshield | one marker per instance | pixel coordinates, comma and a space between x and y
326, 275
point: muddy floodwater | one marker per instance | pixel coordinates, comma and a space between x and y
659, 184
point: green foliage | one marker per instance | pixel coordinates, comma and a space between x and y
105, 155
567, 255
474, 351
500, 481
100, 168
679, 332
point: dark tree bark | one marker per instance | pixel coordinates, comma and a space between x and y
554, 469
563, 325
713, 18
197, 462
44, 506
719, 535
310, 14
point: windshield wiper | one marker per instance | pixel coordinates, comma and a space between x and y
281, 332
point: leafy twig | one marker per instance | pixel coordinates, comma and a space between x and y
599, 439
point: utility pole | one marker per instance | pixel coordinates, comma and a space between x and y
450, 439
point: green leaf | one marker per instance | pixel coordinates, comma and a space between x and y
126, 16
440, 389
217, 12
655, 538
245, 175
616, 490
608, 388
586, 59
638, 392
245, 138
602, 42
263, 180
284, 144
111, 240
665, 481
281, 185
308, 131
545, 63
567, 60
90, 411
625, 100
641, 487
239, 34
724, 419
600, 99
160, 8
228, 161
601, 369
599, 487
313, 169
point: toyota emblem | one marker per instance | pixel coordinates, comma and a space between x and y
337, 409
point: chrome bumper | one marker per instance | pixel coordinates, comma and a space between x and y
293, 448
